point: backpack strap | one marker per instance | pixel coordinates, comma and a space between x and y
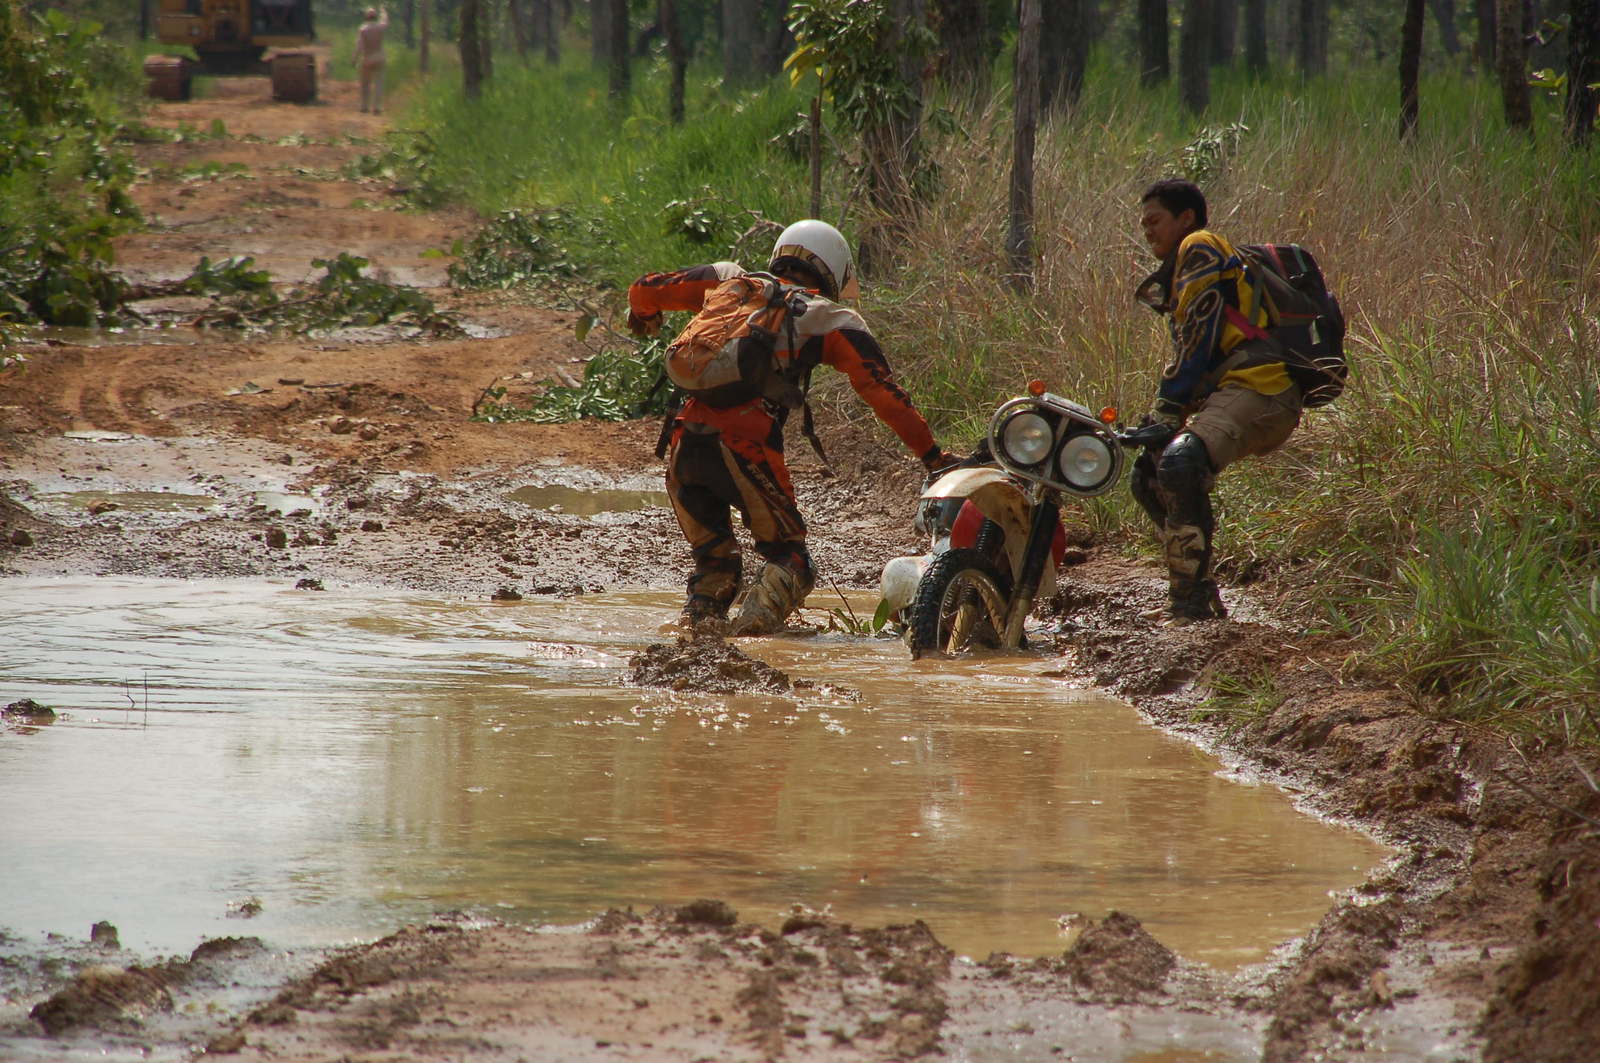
1237, 319
668, 423
808, 424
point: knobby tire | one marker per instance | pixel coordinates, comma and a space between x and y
960, 603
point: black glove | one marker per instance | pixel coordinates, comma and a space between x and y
1153, 433
938, 460
644, 326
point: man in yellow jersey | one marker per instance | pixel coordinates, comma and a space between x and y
1224, 395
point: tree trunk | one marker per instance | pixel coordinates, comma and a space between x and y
1311, 37
1410, 67
427, 35
471, 50
1488, 34
408, 20
816, 153
600, 31
486, 37
742, 41
553, 22
1194, 55
620, 82
1019, 229
1583, 70
1513, 68
516, 12
1224, 31
1063, 53
1155, 62
1255, 36
677, 59
965, 38
1444, 14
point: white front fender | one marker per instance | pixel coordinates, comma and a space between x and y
1000, 499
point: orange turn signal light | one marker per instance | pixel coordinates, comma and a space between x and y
1108, 415
1036, 388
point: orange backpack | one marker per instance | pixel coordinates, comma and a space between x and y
727, 355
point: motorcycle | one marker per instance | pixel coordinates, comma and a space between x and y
994, 521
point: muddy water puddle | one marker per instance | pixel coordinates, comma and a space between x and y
588, 503
339, 762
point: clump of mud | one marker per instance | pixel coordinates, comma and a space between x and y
704, 663
109, 997
1116, 960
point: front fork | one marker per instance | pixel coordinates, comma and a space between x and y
1041, 533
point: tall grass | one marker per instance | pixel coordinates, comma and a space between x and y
1448, 505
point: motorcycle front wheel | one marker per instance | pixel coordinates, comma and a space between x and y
960, 605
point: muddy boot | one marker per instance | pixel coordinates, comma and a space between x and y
701, 615
1194, 601
777, 592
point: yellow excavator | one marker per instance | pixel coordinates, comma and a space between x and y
231, 37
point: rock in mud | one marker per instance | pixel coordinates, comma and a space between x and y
706, 664
104, 995
105, 935
707, 912
1117, 960
29, 709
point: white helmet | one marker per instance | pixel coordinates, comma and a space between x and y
822, 249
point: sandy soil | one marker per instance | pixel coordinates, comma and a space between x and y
1474, 943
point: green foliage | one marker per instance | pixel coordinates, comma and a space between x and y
231, 276
1488, 617
619, 383
1205, 158
410, 159
341, 298
1240, 700
842, 41
63, 190
521, 247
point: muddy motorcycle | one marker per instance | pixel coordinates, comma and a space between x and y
995, 525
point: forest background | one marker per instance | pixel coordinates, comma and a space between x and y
1439, 160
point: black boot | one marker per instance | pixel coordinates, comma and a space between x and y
1195, 600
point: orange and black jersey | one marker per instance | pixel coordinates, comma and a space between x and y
825, 333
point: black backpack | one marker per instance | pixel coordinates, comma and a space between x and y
1305, 321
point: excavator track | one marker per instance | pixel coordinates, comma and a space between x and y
294, 77
167, 77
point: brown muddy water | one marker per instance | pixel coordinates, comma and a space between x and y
330, 764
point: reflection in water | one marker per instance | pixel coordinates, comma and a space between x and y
138, 501
584, 503
357, 760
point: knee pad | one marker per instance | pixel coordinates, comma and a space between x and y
1184, 475
1185, 464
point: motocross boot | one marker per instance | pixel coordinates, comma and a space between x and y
701, 615
777, 592
1195, 600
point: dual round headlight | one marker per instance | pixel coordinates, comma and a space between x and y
1027, 438
1084, 461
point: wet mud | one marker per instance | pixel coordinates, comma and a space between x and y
352, 460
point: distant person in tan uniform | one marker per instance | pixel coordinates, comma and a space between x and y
370, 59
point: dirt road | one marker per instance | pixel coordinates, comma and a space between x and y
1474, 943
